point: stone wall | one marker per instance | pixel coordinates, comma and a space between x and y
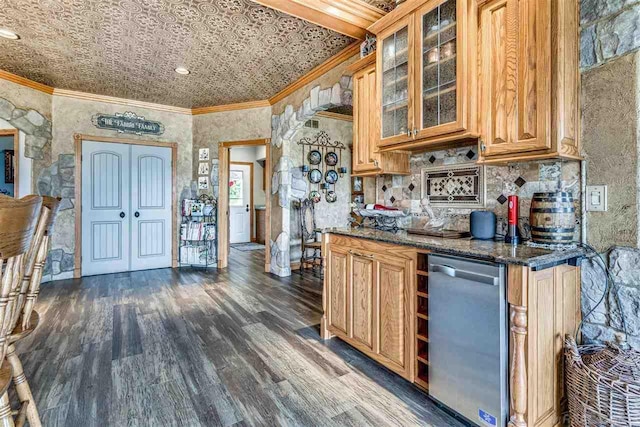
327, 214
609, 42
329, 90
606, 319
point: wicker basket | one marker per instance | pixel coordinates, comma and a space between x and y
603, 384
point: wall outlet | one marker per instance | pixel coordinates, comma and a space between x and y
596, 198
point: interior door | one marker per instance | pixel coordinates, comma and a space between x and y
150, 207
105, 207
239, 201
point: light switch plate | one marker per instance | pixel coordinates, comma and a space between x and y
596, 198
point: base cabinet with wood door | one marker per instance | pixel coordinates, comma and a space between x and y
369, 298
427, 75
372, 299
367, 159
529, 81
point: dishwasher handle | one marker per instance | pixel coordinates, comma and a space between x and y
463, 274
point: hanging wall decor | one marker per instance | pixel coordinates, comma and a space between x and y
324, 174
315, 176
128, 122
331, 158
314, 157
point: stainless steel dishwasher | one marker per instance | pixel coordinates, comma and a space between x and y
468, 342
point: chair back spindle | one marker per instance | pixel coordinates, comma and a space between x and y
18, 221
31, 283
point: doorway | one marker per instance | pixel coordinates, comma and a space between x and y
244, 204
241, 215
126, 211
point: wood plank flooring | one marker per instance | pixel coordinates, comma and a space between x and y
188, 347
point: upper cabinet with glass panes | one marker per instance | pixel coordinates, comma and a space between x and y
427, 77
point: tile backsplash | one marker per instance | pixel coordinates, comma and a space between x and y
521, 179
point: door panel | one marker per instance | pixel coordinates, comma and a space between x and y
338, 291
105, 199
365, 129
395, 82
239, 203
363, 304
392, 290
515, 72
151, 207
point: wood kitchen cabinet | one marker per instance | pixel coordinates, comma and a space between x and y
427, 75
528, 80
367, 160
369, 291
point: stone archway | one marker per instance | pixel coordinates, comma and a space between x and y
287, 182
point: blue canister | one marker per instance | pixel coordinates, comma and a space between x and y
482, 225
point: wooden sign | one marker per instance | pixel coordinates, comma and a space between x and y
128, 122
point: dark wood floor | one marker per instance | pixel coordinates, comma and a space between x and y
187, 348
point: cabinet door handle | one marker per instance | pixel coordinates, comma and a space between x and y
354, 253
409, 132
415, 132
375, 163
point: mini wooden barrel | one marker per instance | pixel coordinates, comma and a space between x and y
552, 217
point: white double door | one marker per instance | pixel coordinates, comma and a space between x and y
239, 203
126, 207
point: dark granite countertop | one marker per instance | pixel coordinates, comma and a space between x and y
493, 251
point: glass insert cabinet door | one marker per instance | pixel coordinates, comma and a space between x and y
439, 65
395, 59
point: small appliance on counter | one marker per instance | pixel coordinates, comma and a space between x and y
512, 228
482, 225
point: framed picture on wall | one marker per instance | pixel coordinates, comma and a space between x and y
357, 185
203, 169
9, 169
203, 154
203, 183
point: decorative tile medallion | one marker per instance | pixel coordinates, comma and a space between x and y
454, 185
520, 181
501, 199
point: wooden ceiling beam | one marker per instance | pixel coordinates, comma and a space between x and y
348, 17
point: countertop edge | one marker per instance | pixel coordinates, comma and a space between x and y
553, 258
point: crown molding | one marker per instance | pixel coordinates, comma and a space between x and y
348, 17
231, 107
22, 81
330, 63
120, 101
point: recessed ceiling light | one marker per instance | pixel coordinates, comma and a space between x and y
8, 34
182, 70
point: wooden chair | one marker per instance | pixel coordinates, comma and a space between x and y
311, 248
18, 221
26, 317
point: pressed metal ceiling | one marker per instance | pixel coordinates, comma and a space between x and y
386, 5
236, 50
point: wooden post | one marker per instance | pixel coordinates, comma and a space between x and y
517, 290
324, 332
518, 371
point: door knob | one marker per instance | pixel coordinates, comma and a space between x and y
137, 214
122, 215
